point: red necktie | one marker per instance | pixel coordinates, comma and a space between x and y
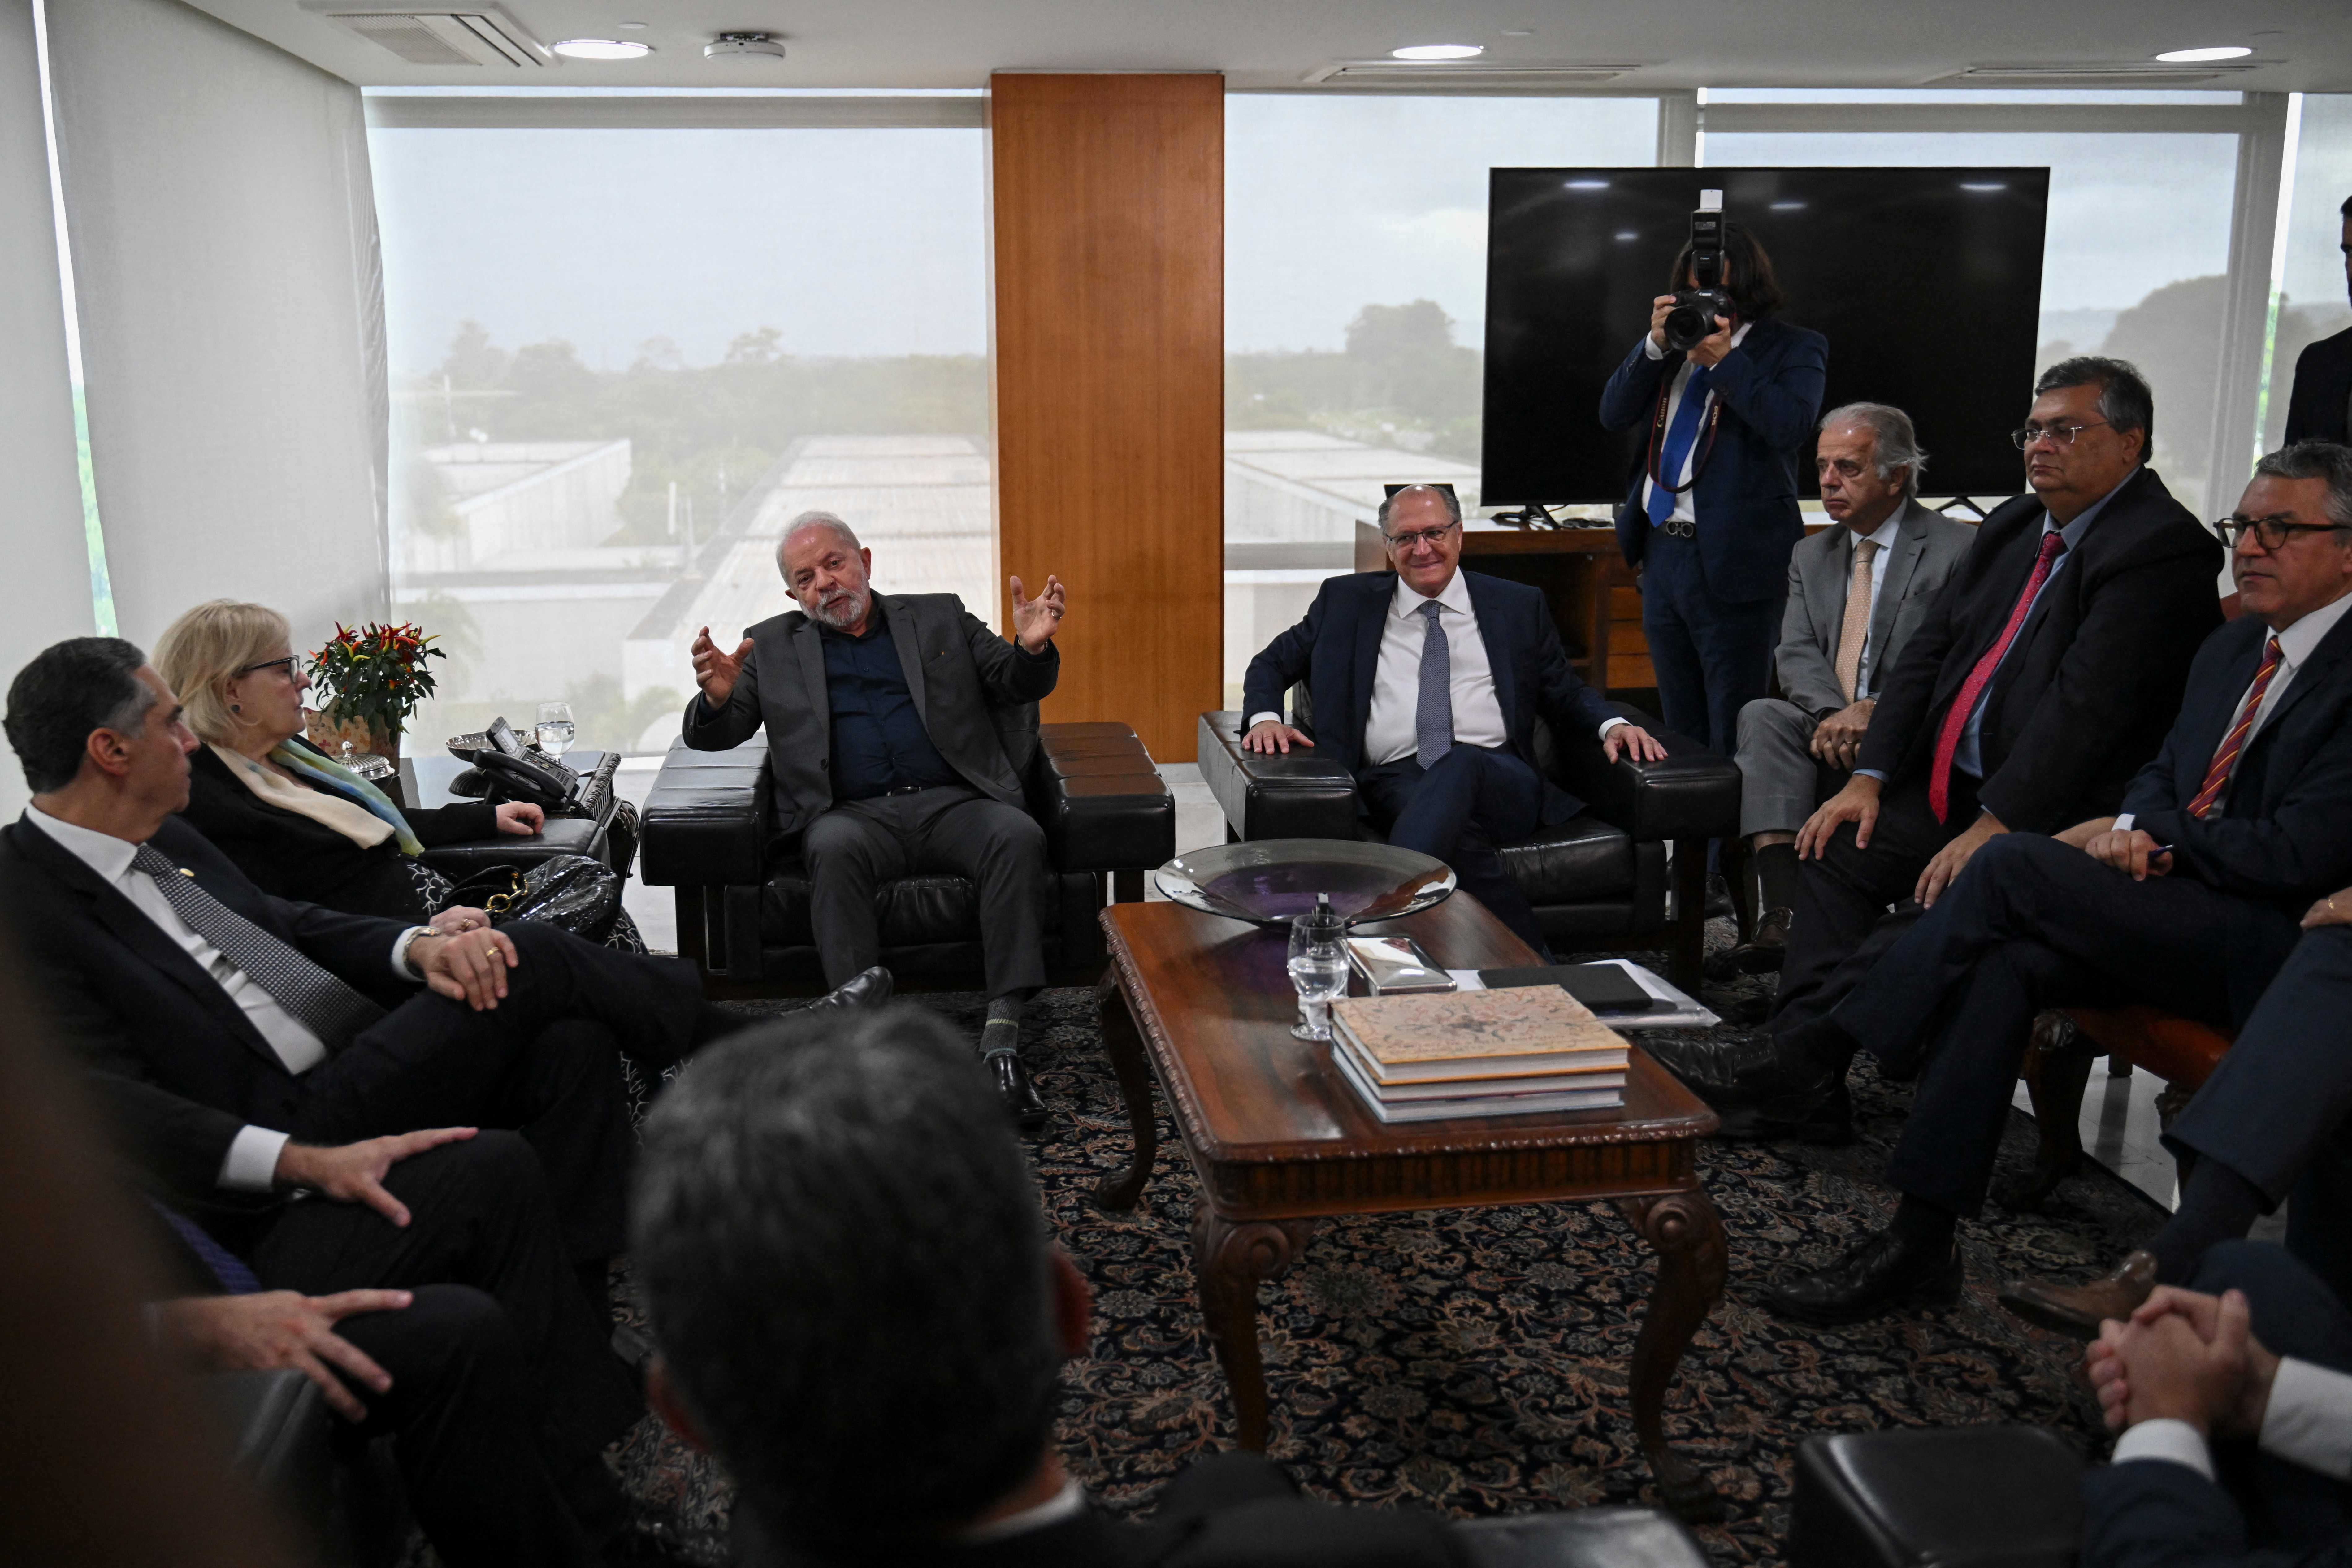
2216, 777
1948, 740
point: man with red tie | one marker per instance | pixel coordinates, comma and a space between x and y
2189, 900
2045, 674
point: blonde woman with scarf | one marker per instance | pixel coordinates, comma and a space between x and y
298, 823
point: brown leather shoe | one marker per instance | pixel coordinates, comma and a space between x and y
2079, 1310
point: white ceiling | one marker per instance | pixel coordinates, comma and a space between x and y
2305, 44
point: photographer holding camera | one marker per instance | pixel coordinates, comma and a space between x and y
1729, 395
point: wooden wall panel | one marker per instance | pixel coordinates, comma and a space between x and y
1108, 215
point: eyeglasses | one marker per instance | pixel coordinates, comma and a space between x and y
286, 664
2271, 532
1412, 536
2024, 436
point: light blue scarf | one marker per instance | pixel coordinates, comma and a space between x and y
314, 767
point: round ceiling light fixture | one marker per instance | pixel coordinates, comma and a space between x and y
1438, 52
2204, 56
601, 48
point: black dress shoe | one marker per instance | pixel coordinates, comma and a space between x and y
1011, 1079
1820, 1112
1759, 955
1758, 1096
1719, 897
1882, 1274
1721, 1072
866, 988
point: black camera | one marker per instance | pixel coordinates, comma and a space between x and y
1695, 311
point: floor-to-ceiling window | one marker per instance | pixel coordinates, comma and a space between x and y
622, 353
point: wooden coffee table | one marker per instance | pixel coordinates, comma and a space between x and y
1278, 1141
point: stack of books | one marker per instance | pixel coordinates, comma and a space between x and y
1477, 1053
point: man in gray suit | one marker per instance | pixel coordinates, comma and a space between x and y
1855, 594
892, 720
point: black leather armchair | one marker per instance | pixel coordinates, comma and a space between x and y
1989, 1496
743, 896
345, 1502
1598, 881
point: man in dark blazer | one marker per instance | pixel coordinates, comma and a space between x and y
2320, 406
244, 1050
2234, 1402
2046, 672
1425, 682
230, 1034
1712, 514
896, 723
2187, 900
880, 1371
1856, 592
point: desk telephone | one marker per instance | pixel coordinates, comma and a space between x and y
514, 772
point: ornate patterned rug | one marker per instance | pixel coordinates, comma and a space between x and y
1474, 1361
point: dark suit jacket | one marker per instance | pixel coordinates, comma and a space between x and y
972, 687
292, 857
1745, 496
1926, 549
2284, 835
2323, 384
1337, 651
174, 1060
2150, 1513
2094, 677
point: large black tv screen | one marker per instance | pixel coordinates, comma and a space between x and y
1928, 283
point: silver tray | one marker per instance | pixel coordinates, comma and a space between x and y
1271, 881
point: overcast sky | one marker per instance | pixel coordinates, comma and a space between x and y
863, 242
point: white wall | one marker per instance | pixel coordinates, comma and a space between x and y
225, 261
45, 589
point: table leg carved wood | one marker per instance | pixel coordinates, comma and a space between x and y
1278, 1141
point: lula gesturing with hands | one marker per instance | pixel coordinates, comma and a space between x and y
1035, 621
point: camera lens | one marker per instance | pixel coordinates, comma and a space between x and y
1685, 325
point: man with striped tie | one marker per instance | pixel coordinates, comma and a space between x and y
2187, 900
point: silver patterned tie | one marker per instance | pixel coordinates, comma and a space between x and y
311, 995
1432, 714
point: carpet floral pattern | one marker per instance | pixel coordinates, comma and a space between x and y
1474, 1361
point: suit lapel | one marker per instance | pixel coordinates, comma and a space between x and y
2315, 671
1825, 581
809, 648
1910, 543
1371, 617
1499, 649
907, 639
146, 941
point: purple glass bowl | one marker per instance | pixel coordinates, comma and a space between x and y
1272, 881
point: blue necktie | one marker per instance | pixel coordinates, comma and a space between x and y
1432, 714
235, 1275
1680, 434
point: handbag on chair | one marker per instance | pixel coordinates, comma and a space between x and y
573, 891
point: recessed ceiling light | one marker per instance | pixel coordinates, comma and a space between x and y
602, 49
2200, 57
1588, 185
1438, 52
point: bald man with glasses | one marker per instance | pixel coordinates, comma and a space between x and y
1426, 681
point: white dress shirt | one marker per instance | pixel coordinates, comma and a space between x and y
252, 1162
2308, 1422
1883, 536
1682, 511
1396, 683
2296, 645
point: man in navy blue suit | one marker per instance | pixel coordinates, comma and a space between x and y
1712, 516
1426, 681
2189, 901
2320, 406
2253, 1370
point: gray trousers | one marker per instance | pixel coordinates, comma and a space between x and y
852, 849
1780, 781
